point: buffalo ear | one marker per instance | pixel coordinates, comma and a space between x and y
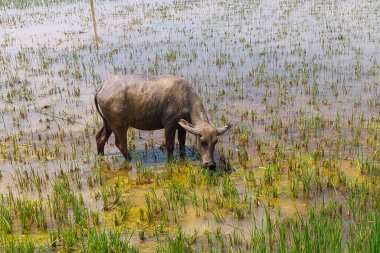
189, 127
223, 129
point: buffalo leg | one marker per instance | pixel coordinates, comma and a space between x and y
121, 142
181, 140
170, 140
102, 137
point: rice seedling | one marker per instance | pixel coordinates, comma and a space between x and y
68, 239
6, 221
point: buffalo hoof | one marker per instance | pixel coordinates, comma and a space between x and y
127, 156
100, 150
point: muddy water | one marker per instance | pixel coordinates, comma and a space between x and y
309, 68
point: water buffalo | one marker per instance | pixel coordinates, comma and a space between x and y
148, 102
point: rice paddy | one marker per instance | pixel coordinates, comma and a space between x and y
299, 171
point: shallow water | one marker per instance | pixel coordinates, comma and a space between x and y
290, 76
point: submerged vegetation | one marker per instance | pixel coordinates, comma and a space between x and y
20, 4
298, 172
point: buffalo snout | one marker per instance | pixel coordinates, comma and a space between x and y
210, 165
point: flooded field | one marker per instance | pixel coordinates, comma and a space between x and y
298, 171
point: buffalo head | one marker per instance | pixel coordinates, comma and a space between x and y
207, 137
